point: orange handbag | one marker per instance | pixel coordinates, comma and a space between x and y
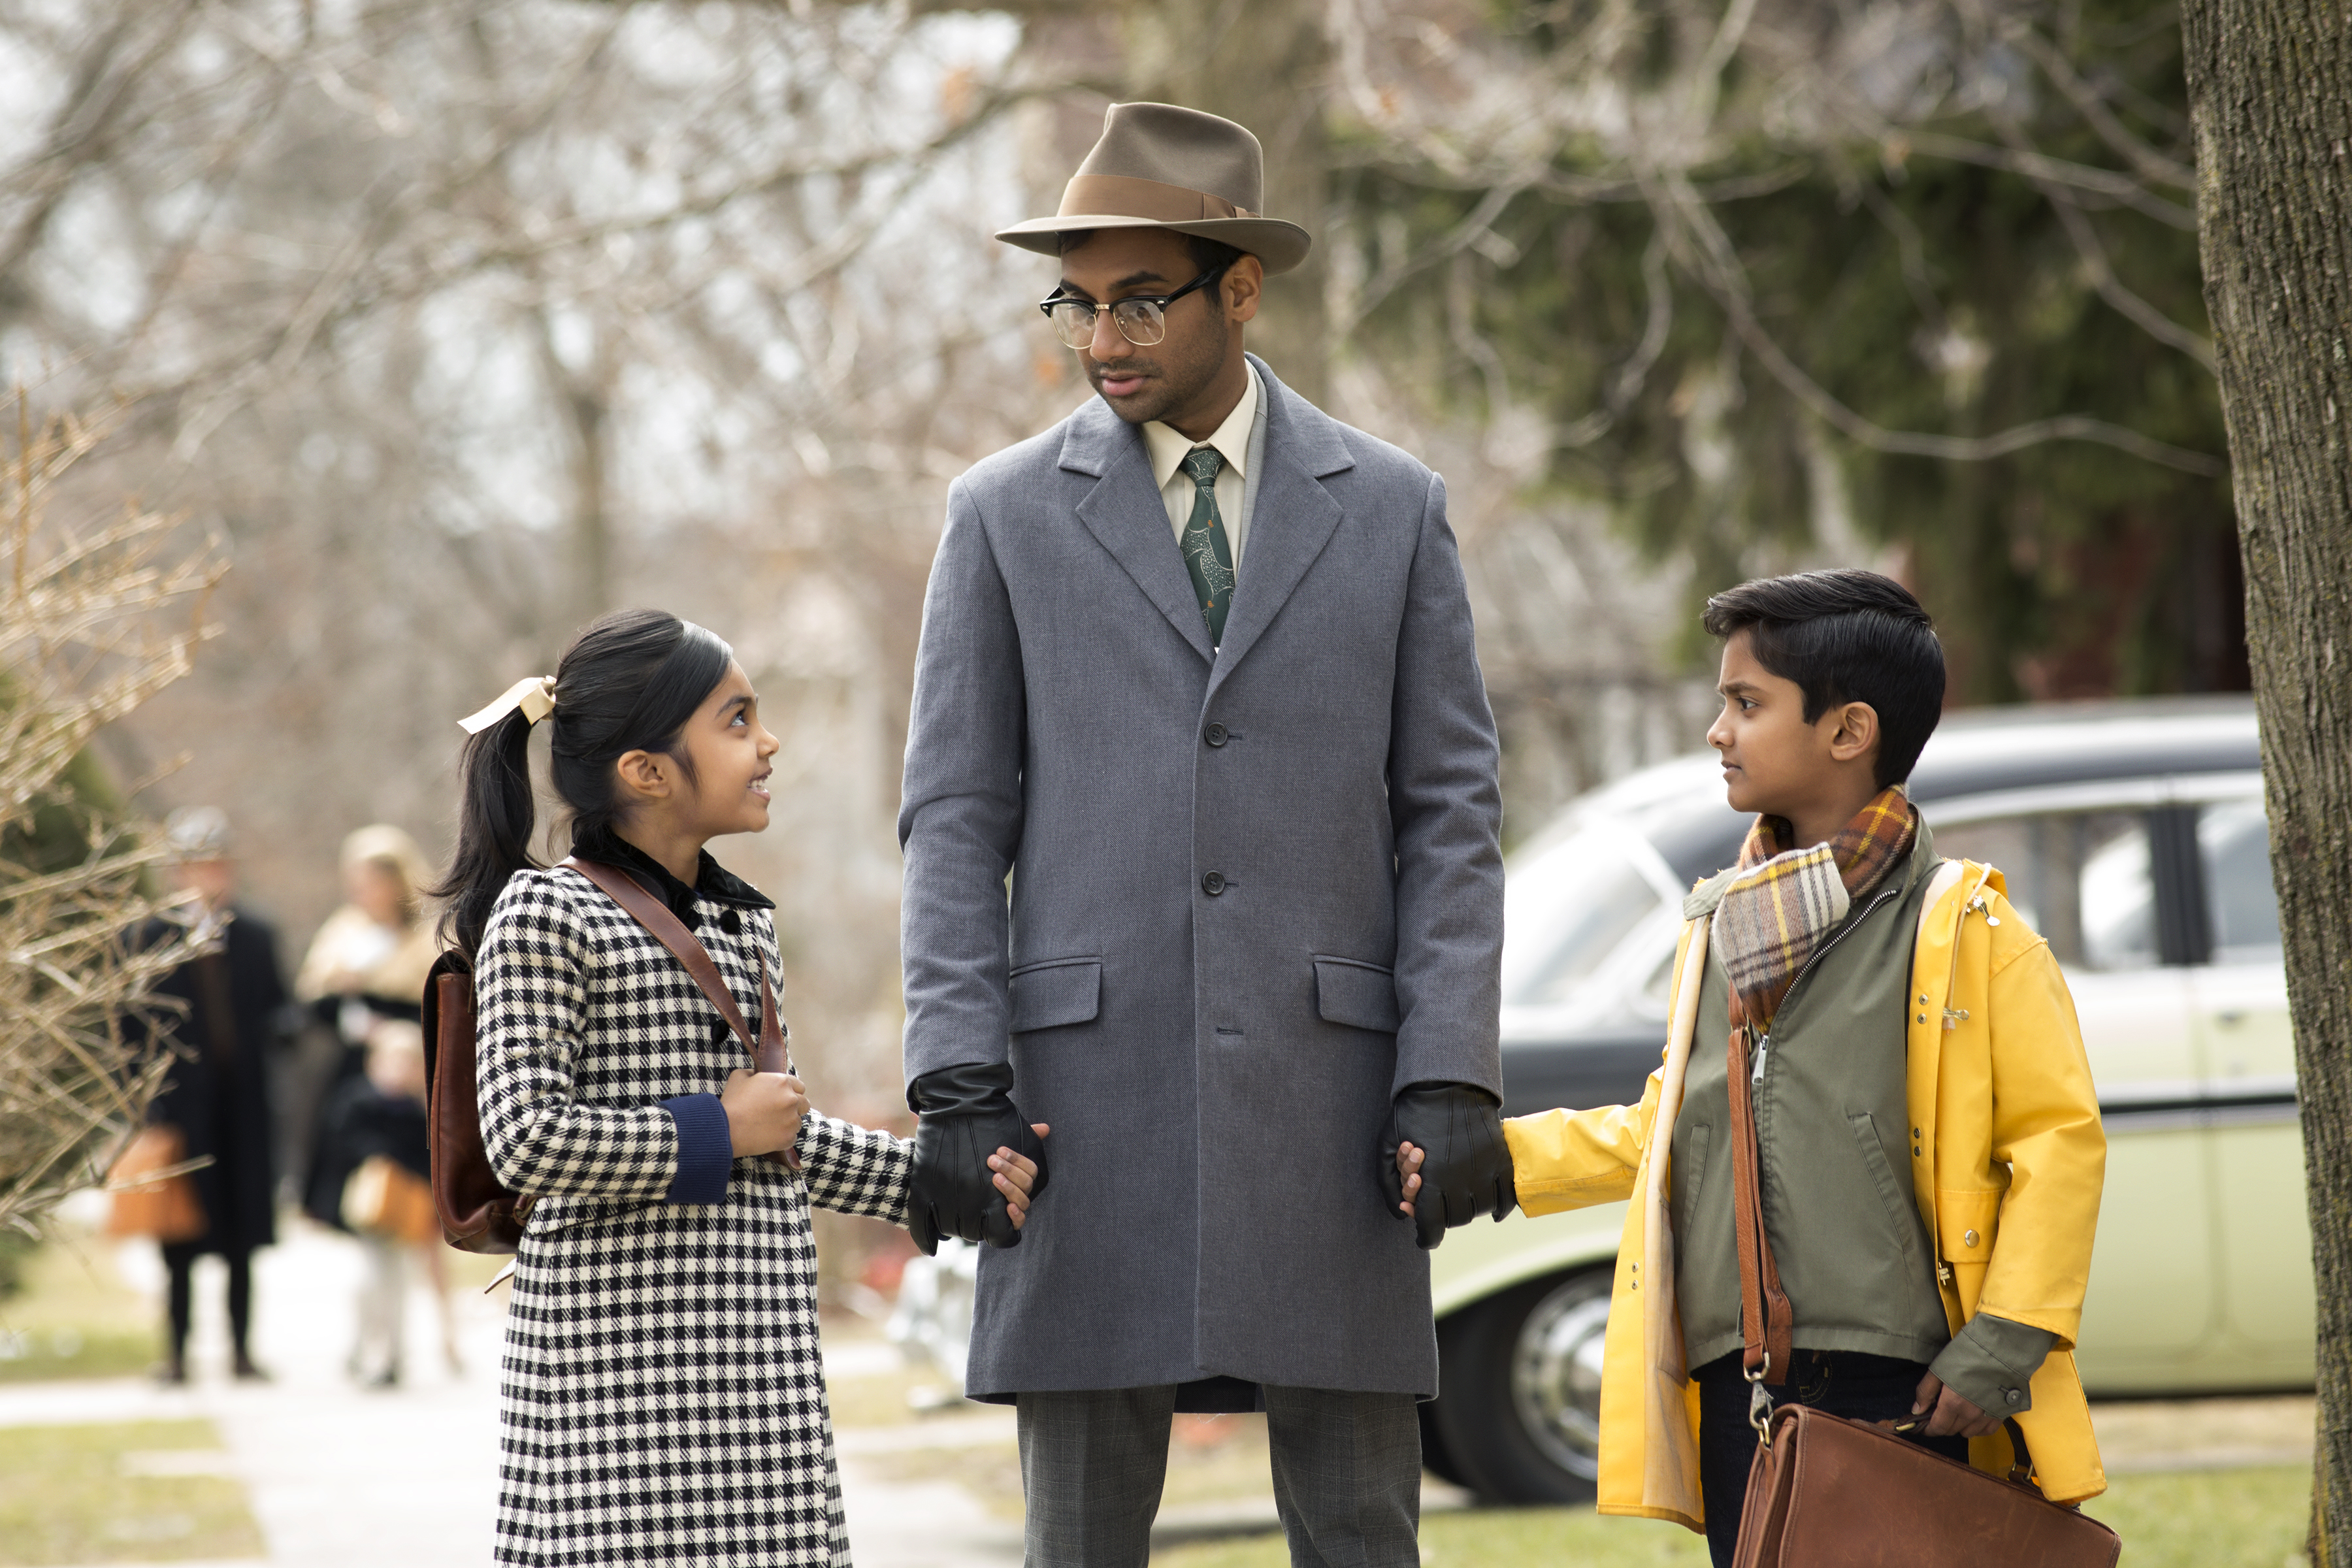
383, 1197
152, 1194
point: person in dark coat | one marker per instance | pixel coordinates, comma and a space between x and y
218, 1093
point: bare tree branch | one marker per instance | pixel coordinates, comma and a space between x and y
1712, 262
2151, 163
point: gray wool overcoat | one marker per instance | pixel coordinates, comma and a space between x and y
1253, 891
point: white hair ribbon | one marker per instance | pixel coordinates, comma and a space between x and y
534, 694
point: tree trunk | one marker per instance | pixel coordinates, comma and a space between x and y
1265, 65
583, 396
2269, 85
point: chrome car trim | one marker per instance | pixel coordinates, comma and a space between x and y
2166, 1106
2098, 794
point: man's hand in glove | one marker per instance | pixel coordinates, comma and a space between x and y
1444, 1160
978, 1164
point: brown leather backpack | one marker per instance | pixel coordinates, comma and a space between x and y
478, 1212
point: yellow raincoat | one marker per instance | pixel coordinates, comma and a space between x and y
2006, 1161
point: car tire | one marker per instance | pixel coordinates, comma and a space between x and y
1519, 1411
1435, 1457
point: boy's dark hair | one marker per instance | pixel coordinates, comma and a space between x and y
628, 683
1206, 253
1845, 636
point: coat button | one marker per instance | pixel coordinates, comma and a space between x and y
1214, 734
1969, 1238
1213, 883
2011, 1395
731, 922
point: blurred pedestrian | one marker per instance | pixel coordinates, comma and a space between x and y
217, 1094
377, 1122
367, 964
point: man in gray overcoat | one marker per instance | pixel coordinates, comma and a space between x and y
1197, 675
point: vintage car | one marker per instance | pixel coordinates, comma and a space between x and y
2132, 837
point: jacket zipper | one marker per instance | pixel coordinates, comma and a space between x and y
1764, 1045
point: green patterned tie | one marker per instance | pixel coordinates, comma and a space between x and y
1206, 554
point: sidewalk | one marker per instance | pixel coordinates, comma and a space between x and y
338, 1477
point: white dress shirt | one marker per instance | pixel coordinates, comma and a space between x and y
1169, 446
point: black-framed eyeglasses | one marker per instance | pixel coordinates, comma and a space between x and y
1141, 319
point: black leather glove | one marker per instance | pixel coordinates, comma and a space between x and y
968, 1115
1465, 1166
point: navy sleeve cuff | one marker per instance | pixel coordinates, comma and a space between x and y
706, 1150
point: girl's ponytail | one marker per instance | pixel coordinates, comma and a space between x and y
627, 683
494, 824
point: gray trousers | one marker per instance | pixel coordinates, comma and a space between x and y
1346, 1476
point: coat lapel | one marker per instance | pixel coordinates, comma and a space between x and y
1127, 515
1294, 519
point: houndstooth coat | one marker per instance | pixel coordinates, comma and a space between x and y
662, 1398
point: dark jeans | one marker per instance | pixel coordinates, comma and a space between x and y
180, 1257
1837, 1382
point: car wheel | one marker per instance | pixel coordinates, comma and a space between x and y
1434, 1458
1518, 1412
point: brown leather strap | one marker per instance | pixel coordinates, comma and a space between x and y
767, 1051
1766, 1318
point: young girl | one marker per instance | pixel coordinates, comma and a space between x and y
662, 1398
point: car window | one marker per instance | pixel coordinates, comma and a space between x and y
2082, 879
1566, 912
2241, 901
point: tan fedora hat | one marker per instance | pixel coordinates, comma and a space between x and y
1158, 166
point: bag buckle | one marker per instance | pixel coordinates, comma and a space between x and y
1760, 1403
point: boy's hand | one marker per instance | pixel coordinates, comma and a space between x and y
1016, 1176
1465, 1163
763, 1111
1953, 1415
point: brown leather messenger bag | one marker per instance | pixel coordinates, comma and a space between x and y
478, 1212
1827, 1492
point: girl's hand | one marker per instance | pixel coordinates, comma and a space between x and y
1409, 1158
1016, 1174
763, 1111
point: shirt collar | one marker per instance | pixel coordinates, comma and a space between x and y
712, 880
1169, 445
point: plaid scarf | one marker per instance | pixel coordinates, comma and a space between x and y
1774, 914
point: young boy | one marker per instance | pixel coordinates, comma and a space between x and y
1927, 1137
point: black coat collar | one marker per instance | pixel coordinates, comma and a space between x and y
711, 880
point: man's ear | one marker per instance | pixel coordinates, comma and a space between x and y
1244, 288
645, 776
1855, 735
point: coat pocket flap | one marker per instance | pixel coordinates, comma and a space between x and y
1360, 996
1966, 1223
1058, 992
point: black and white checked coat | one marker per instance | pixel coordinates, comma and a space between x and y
662, 1398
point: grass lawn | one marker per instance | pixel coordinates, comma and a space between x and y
147, 1491
74, 1318
2213, 1519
